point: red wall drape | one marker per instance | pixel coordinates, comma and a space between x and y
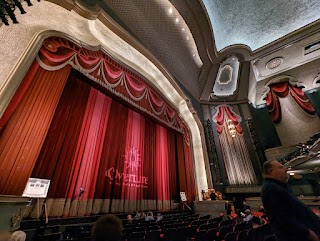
225, 113
281, 90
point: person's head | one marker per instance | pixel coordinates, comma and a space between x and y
129, 217
107, 228
227, 202
19, 236
247, 211
274, 169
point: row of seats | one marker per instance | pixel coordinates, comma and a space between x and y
172, 228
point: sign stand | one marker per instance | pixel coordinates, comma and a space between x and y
38, 208
37, 188
184, 200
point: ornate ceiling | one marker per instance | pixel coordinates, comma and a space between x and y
256, 23
191, 38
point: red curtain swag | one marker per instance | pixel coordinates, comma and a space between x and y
223, 114
97, 65
281, 90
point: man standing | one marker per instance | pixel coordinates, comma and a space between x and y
290, 218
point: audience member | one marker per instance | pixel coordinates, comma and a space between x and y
237, 206
159, 217
261, 209
19, 236
107, 228
213, 194
245, 206
248, 215
137, 216
227, 207
149, 216
291, 219
129, 218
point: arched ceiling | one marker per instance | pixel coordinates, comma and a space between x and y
191, 38
256, 23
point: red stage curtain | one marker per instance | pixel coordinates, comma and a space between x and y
24, 85
281, 90
61, 128
88, 152
22, 137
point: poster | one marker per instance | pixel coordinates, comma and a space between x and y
36, 188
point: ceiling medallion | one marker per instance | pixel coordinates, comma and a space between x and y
274, 63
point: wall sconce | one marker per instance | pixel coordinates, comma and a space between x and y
231, 128
7, 8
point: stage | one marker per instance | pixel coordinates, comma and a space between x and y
212, 207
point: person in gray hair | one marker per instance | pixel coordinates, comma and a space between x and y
19, 236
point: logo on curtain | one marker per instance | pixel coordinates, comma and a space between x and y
132, 163
132, 158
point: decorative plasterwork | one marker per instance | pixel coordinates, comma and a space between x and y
316, 81
274, 63
226, 83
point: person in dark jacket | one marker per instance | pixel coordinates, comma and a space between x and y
227, 207
290, 218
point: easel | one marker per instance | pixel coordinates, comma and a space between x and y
185, 204
43, 210
38, 188
184, 200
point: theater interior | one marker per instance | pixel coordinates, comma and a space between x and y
119, 106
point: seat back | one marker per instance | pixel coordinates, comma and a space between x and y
223, 231
242, 235
201, 235
212, 234
270, 238
153, 235
231, 236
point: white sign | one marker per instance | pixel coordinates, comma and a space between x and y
37, 188
183, 196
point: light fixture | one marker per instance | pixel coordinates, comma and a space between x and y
170, 10
231, 128
7, 8
177, 20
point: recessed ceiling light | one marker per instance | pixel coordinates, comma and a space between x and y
170, 10
177, 20
183, 29
187, 37
194, 55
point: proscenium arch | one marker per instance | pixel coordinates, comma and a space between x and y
97, 34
